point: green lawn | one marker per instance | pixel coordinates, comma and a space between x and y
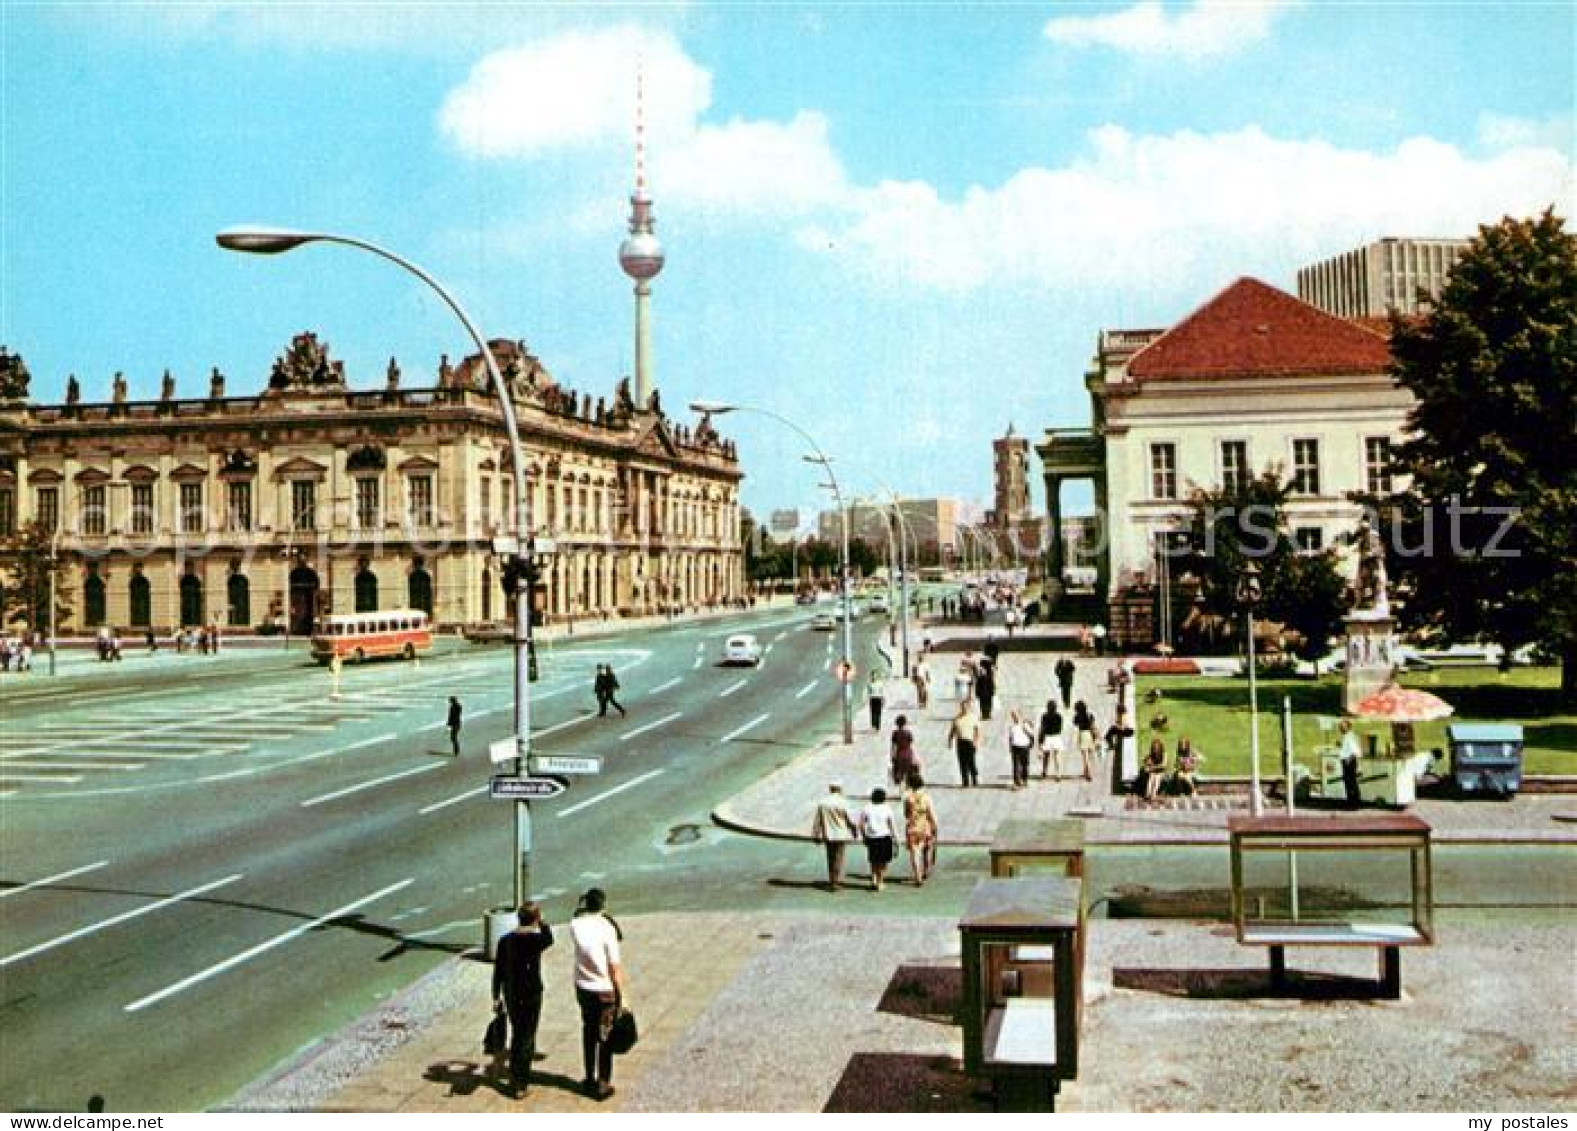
1214, 714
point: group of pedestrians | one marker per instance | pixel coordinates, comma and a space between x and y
16, 655
601, 990
835, 826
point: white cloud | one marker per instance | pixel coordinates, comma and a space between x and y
1178, 211
1208, 28
1501, 131
756, 168
575, 90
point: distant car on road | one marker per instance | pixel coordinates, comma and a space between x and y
878, 603
742, 649
824, 622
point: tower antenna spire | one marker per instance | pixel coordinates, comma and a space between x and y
641, 255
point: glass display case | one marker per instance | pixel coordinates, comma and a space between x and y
1329, 881
1027, 846
1023, 986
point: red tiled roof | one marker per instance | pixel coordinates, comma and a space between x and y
1253, 329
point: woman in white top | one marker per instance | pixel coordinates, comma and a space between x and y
1020, 740
877, 830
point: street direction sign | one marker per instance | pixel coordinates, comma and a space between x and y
526, 789
564, 764
504, 750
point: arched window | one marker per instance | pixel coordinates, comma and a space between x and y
421, 590
191, 600
141, 593
239, 592
366, 591
93, 599
487, 595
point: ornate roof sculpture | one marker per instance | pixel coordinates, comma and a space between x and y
305, 367
14, 377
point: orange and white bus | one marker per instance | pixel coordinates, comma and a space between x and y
405, 633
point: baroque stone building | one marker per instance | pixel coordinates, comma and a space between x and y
311, 497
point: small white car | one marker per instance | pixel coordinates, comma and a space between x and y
824, 622
742, 649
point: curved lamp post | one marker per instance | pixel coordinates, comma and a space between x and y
518, 564
1248, 595
720, 408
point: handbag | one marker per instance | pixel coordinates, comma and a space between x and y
624, 1032
497, 1033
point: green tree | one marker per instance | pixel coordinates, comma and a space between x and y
1228, 528
28, 564
862, 558
1485, 535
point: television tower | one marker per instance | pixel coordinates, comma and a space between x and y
641, 256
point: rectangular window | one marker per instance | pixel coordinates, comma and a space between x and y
191, 508
7, 511
366, 503
1234, 466
1163, 471
1309, 539
94, 519
485, 500
509, 502
585, 509
239, 515
421, 492
48, 508
142, 508
303, 505
1377, 464
1305, 467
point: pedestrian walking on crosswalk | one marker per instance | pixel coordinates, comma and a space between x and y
455, 712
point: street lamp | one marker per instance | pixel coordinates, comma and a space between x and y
519, 565
721, 408
1248, 595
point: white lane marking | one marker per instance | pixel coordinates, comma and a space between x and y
755, 722
696, 664
650, 726
53, 879
768, 651
556, 727
248, 955
731, 688
337, 794
453, 800
664, 686
58, 765
631, 784
780, 636
121, 918
58, 779
329, 753
808, 688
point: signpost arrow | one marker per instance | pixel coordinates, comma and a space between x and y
528, 789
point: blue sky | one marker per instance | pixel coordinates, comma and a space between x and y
902, 225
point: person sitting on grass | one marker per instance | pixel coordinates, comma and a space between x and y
1183, 784
1151, 772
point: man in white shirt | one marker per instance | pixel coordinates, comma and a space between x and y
599, 988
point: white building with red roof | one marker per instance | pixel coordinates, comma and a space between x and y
1254, 378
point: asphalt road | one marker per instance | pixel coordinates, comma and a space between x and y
228, 863
206, 864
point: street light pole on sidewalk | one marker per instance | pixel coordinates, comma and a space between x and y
1248, 595
271, 241
720, 408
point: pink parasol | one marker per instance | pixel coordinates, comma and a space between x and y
1403, 705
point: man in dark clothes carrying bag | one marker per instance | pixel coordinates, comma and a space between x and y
517, 988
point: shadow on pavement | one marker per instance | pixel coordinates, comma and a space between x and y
926, 993
904, 1082
1241, 984
466, 1077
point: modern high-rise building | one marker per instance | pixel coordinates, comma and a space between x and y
932, 527
1371, 281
